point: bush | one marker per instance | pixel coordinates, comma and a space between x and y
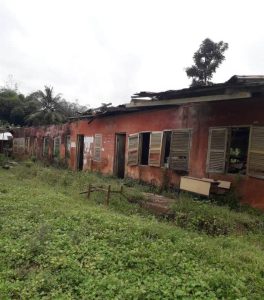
230, 199
3, 159
207, 217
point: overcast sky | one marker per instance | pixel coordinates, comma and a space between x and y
105, 51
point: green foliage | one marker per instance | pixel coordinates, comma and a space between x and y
55, 244
214, 220
3, 159
37, 108
230, 199
207, 59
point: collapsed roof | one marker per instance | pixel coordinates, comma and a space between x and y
236, 82
237, 87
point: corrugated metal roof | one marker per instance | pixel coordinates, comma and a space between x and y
234, 83
235, 88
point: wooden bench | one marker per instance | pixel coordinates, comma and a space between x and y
203, 186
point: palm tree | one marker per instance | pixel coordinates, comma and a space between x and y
51, 109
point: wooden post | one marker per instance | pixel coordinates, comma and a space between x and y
121, 189
108, 195
89, 190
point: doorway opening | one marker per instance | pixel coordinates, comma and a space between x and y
119, 169
79, 152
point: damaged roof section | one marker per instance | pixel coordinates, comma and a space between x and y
104, 110
234, 84
237, 87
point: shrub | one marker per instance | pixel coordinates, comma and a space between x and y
3, 159
214, 220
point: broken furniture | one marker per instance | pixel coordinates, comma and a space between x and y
203, 186
108, 191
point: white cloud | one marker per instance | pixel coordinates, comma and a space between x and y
104, 51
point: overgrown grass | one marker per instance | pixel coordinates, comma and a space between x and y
214, 220
55, 244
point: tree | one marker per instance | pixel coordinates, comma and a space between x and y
11, 105
207, 59
51, 109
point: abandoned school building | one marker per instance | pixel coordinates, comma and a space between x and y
212, 132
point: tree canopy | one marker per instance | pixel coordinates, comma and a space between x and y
37, 108
207, 59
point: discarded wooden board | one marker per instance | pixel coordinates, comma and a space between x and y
222, 184
197, 185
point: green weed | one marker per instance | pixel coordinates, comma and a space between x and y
57, 244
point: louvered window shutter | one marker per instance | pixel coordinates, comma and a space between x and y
256, 152
97, 147
133, 145
155, 148
216, 157
180, 149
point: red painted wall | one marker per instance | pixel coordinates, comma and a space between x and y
198, 116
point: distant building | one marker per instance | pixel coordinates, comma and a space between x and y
5, 141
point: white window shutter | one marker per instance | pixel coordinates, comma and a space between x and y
97, 147
133, 146
256, 152
155, 148
180, 149
216, 156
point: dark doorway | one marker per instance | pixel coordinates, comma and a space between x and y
120, 155
79, 152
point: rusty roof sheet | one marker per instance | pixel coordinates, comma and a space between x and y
253, 83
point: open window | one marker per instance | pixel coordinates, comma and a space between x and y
166, 148
238, 150
144, 148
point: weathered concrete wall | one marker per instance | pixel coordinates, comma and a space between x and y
38, 133
199, 117
227, 113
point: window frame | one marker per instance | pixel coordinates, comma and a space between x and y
249, 147
228, 150
135, 149
54, 142
190, 131
98, 159
44, 145
156, 150
67, 151
140, 141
